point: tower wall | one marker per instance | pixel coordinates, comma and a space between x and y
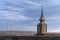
44, 28
41, 29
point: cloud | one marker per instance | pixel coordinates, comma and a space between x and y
50, 3
24, 27
12, 12
33, 4
53, 23
13, 17
53, 17
25, 3
18, 6
14, 8
54, 30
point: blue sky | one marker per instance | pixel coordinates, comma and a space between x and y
23, 15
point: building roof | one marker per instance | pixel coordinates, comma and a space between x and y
24, 33
17, 33
52, 34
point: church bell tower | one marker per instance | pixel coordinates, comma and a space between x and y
41, 27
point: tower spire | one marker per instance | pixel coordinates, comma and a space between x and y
42, 15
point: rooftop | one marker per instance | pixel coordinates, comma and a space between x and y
17, 33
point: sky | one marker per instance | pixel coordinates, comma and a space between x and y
23, 15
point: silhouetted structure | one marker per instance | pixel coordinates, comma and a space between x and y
41, 27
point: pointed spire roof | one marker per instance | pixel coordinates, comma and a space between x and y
42, 15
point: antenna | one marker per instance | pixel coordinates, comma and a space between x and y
7, 25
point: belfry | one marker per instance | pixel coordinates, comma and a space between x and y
41, 27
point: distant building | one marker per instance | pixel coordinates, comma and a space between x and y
42, 27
